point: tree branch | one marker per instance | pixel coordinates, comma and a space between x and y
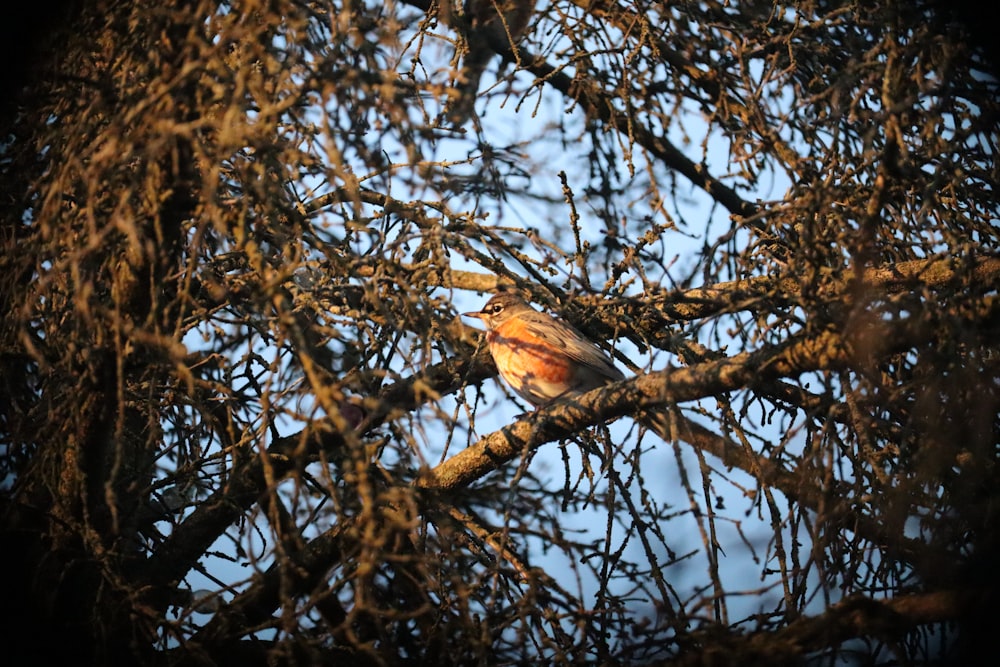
826, 350
858, 616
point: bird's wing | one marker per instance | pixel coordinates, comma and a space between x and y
573, 343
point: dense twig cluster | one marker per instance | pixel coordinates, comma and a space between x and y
242, 422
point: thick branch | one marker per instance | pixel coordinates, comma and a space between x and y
827, 350
888, 620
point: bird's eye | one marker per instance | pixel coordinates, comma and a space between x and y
497, 308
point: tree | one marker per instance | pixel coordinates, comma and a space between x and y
243, 423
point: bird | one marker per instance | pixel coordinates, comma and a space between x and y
490, 25
544, 359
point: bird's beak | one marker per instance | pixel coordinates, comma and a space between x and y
478, 316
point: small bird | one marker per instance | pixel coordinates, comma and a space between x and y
543, 358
